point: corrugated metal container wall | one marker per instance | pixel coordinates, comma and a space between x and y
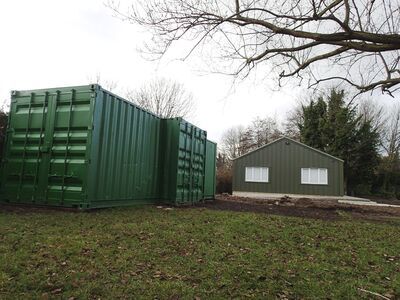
124, 164
210, 170
184, 161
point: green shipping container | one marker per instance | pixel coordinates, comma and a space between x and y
85, 147
210, 170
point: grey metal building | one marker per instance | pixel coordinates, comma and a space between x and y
286, 166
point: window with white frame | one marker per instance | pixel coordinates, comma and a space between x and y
256, 174
314, 176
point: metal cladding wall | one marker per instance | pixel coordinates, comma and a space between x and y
184, 151
210, 170
124, 164
85, 147
285, 158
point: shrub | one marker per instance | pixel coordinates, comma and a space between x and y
362, 190
224, 181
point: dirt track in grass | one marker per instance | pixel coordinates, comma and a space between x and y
303, 207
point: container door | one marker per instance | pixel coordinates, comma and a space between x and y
44, 151
25, 146
183, 170
43, 164
190, 183
197, 164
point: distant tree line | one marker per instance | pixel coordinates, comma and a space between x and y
365, 136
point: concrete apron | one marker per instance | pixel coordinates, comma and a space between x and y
341, 199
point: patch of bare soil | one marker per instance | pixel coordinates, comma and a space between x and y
303, 207
27, 209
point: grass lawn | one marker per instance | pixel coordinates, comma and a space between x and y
145, 252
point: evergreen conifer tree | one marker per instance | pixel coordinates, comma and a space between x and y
331, 125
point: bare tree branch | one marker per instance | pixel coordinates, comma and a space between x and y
297, 39
165, 98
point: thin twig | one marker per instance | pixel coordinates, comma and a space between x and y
373, 293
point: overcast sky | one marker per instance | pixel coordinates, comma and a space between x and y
67, 42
